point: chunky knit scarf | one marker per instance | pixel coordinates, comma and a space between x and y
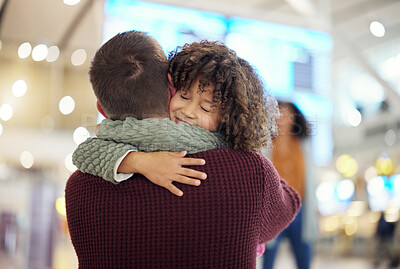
97, 156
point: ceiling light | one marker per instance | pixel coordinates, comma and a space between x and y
377, 29
354, 117
19, 88
39, 53
26, 159
390, 137
53, 54
78, 57
71, 2
6, 112
80, 135
66, 105
24, 50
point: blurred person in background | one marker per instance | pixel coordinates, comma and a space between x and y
385, 246
291, 155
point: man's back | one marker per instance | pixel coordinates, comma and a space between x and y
137, 224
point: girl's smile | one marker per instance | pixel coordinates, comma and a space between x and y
196, 108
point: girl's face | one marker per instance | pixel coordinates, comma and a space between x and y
196, 108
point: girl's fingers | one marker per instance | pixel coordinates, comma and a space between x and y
193, 173
187, 180
179, 154
173, 189
192, 161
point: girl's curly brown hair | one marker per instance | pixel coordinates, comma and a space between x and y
246, 120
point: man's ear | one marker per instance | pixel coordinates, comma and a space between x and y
171, 88
100, 109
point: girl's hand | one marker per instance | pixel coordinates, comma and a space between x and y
162, 168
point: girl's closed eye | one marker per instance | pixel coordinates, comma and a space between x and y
205, 109
184, 97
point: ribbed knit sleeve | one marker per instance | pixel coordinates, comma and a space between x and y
98, 157
280, 205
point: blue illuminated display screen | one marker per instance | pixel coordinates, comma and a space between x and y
293, 62
171, 26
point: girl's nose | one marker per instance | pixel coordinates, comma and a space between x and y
189, 110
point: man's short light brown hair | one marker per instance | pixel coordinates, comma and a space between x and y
129, 76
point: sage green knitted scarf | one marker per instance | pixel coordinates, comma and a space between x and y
98, 156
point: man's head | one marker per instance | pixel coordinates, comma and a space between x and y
129, 77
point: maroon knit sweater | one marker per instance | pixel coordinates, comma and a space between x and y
137, 224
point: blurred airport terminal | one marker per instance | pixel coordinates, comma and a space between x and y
338, 61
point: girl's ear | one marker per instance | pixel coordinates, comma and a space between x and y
100, 109
171, 88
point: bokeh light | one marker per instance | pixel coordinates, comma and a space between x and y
356, 208
390, 137
54, 53
78, 57
351, 228
24, 50
345, 189
377, 29
19, 88
331, 223
71, 2
66, 105
40, 52
6, 112
60, 206
325, 191
384, 165
391, 214
395, 179
80, 135
370, 172
376, 186
68, 163
26, 159
354, 117
346, 165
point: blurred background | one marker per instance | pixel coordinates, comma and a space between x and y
338, 61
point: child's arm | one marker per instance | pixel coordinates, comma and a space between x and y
99, 157
162, 168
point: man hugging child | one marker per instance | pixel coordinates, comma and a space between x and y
219, 113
